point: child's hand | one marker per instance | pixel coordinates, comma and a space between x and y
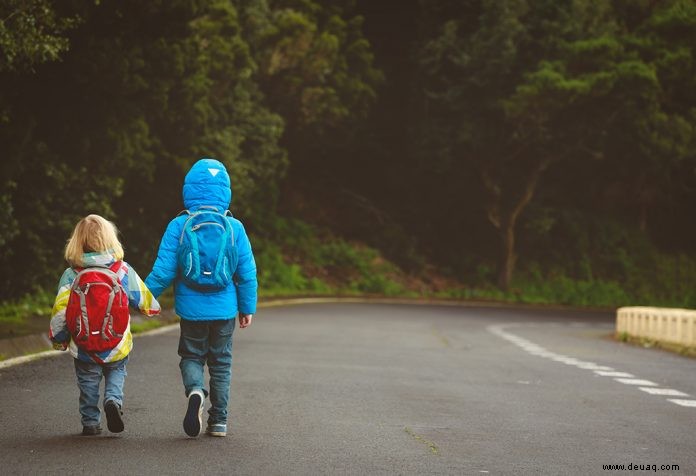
60, 345
245, 320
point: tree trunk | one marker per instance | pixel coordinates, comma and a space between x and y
508, 255
506, 220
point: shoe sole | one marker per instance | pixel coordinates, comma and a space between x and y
114, 422
216, 433
91, 432
192, 420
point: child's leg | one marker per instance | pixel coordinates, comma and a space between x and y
89, 376
220, 368
114, 378
193, 349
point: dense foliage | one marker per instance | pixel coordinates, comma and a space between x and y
133, 92
546, 145
559, 132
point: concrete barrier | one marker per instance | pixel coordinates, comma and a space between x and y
661, 325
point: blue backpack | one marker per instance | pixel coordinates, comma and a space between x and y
207, 256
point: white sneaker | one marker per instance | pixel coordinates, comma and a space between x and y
193, 421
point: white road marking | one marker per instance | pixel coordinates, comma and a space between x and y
601, 370
684, 403
566, 360
664, 391
614, 374
589, 366
636, 381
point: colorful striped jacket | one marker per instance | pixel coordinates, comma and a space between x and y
138, 296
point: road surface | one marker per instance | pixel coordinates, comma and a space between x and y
378, 389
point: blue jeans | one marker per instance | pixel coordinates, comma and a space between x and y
208, 342
89, 376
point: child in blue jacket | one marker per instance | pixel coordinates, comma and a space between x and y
207, 318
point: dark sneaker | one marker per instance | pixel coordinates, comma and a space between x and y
91, 430
217, 429
194, 413
114, 422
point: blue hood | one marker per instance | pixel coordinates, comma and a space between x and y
207, 183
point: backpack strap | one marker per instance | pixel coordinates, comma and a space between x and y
117, 288
84, 319
108, 318
227, 235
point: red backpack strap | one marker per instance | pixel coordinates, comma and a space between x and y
109, 321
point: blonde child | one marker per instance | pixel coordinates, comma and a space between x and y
99, 351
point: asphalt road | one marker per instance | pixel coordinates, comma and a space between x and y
378, 389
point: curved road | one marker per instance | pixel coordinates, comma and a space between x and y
378, 389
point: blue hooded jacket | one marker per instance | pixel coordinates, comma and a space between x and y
206, 184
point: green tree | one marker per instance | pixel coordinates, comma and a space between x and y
31, 34
531, 84
315, 66
146, 89
316, 70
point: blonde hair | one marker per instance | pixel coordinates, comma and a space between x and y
93, 234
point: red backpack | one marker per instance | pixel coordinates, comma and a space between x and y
97, 314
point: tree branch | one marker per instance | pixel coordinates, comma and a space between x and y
529, 189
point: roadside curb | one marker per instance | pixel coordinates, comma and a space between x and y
273, 302
28, 358
33, 347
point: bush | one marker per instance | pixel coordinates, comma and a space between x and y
297, 257
38, 304
274, 272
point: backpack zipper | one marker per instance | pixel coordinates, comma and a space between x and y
196, 227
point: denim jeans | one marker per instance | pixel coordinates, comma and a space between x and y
89, 376
208, 342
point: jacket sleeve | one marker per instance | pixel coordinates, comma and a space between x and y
164, 270
58, 329
247, 285
139, 296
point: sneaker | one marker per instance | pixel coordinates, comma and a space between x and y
113, 411
217, 429
194, 413
91, 430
